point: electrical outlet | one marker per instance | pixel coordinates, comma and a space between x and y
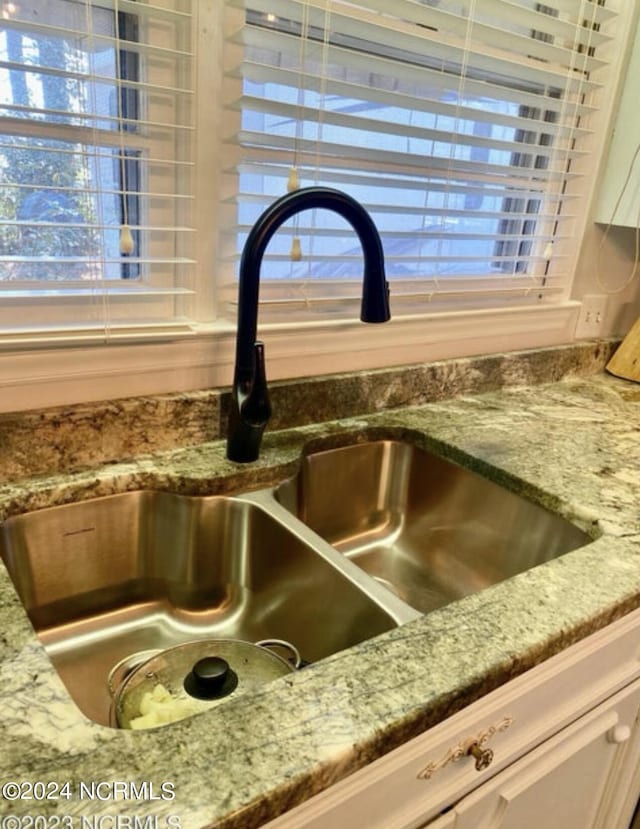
592, 316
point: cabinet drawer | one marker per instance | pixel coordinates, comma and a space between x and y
584, 777
409, 785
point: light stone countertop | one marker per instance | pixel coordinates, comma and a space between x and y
571, 445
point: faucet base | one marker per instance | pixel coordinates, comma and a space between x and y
243, 443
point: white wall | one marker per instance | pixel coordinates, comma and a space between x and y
606, 262
609, 253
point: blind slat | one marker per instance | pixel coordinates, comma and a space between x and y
486, 67
430, 164
67, 225
503, 53
544, 91
511, 16
439, 259
371, 126
96, 153
443, 293
263, 73
88, 119
338, 168
37, 293
95, 40
105, 191
394, 187
429, 232
86, 141
69, 260
93, 78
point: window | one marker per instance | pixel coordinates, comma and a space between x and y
470, 130
462, 127
97, 117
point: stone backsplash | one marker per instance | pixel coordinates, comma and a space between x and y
72, 438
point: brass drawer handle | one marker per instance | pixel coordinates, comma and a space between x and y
470, 747
483, 756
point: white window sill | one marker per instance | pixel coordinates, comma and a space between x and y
80, 367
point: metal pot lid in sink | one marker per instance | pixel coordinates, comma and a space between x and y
192, 677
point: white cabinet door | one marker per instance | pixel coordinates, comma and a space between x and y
579, 779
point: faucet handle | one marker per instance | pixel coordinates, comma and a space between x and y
249, 412
256, 409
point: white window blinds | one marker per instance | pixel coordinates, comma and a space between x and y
97, 116
464, 128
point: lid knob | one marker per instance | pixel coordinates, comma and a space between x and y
210, 678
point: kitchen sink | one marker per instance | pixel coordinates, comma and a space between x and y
429, 530
362, 539
112, 579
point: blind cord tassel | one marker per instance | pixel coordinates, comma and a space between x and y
296, 251
293, 182
127, 245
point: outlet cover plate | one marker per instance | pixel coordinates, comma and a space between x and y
593, 314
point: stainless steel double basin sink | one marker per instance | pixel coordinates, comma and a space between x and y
363, 538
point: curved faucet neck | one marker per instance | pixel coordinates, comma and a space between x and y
375, 303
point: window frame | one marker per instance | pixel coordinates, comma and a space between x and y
422, 294
139, 300
82, 367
